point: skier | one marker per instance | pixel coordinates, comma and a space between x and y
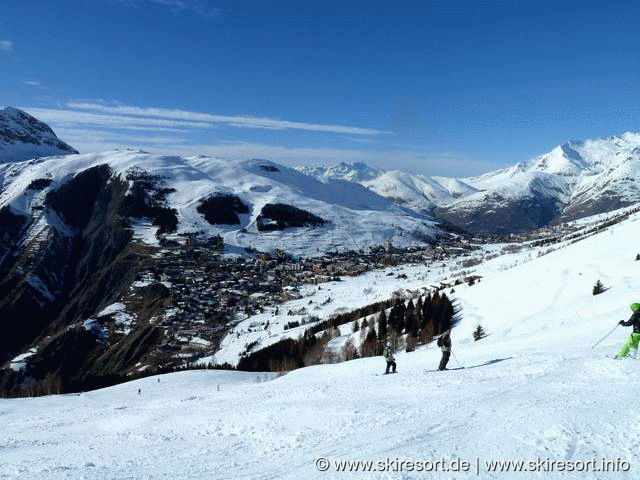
387, 353
444, 342
634, 338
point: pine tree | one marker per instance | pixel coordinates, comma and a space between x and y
598, 288
370, 344
410, 306
382, 325
363, 329
419, 307
479, 333
427, 312
411, 320
392, 320
402, 311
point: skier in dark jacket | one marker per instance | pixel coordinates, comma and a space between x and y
444, 342
634, 338
388, 356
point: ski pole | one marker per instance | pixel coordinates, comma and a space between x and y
606, 335
454, 356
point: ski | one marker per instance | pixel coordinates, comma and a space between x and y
445, 370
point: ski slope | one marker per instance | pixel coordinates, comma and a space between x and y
534, 390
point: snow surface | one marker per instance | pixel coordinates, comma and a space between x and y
20, 362
118, 312
533, 390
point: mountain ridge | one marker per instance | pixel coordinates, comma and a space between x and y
23, 137
577, 178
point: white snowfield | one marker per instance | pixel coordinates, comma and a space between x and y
533, 391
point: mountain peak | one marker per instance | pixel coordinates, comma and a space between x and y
23, 136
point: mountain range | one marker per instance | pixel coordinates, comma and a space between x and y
574, 180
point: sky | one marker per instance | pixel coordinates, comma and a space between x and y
453, 88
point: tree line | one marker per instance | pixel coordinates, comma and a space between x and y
397, 321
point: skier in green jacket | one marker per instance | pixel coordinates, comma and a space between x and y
634, 338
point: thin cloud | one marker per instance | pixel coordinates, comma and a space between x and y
88, 119
96, 140
6, 46
90, 132
91, 127
234, 121
197, 7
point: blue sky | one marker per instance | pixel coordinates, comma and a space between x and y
452, 88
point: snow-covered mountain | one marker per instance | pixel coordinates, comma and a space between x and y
574, 180
23, 137
417, 191
354, 172
352, 216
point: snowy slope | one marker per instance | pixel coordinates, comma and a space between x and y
356, 216
414, 191
533, 391
23, 137
417, 191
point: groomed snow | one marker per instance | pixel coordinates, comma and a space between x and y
534, 390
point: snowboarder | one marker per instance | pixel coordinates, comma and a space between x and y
387, 353
634, 338
444, 342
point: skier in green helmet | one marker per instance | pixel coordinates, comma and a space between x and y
634, 338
